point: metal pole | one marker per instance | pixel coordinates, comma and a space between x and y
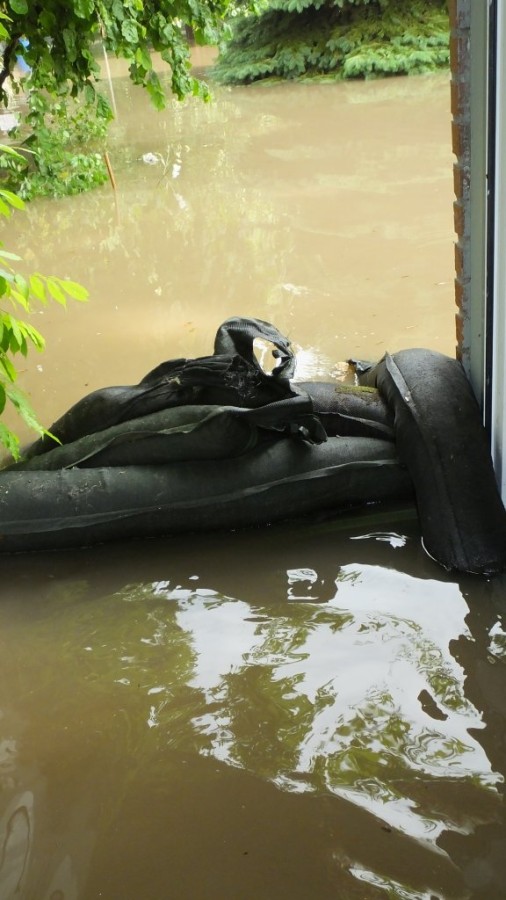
109, 79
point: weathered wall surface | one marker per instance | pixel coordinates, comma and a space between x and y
460, 57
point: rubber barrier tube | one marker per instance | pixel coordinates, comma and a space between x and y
440, 439
279, 479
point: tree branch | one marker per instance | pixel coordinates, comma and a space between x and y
7, 62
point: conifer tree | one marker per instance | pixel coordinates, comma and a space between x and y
336, 39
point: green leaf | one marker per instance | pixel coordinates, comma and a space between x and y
37, 288
13, 199
5, 338
142, 58
22, 404
9, 151
34, 336
69, 39
9, 441
22, 285
56, 291
84, 8
17, 343
118, 10
104, 110
5, 254
19, 298
130, 31
89, 93
155, 90
7, 367
74, 290
19, 6
11, 324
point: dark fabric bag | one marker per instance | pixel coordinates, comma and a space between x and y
170, 435
231, 377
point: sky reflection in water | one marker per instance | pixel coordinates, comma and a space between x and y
326, 664
358, 697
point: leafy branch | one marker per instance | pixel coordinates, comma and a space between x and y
17, 336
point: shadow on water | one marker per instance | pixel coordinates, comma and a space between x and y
312, 709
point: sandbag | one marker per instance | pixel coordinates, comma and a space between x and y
278, 479
350, 411
178, 433
440, 439
231, 377
216, 442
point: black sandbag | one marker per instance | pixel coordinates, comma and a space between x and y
232, 376
178, 433
237, 335
440, 439
350, 411
176, 416
279, 479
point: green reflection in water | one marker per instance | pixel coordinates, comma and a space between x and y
319, 698
356, 699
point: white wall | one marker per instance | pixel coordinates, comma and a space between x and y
496, 367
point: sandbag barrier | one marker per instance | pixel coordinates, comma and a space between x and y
218, 443
440, 439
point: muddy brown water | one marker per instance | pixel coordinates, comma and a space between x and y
311, 710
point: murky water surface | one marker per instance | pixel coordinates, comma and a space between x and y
326, 209
308, 710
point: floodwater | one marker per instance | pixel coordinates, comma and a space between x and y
311, 710
325, 209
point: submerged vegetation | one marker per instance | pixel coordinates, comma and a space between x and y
65, 140
336, 39
49, 60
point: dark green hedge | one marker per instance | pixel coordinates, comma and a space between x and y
321, 38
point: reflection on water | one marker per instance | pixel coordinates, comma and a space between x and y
299, 711
311, 709
326, 698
